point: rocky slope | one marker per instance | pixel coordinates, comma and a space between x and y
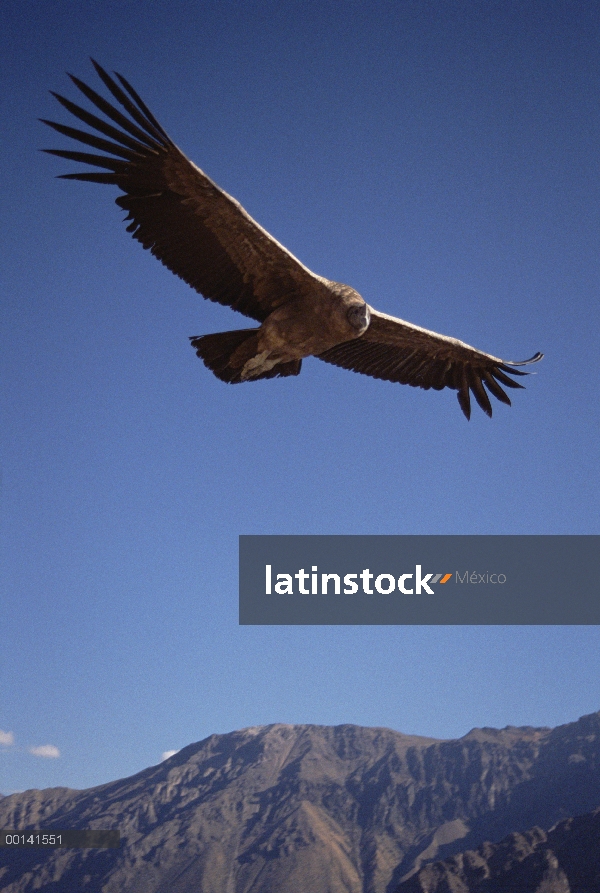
566, 859
319, 809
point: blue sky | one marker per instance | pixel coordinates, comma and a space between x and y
442, 158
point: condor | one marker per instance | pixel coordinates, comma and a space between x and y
206, 238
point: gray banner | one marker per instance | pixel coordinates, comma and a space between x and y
419, 580
52, 838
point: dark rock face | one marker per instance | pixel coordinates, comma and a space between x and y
565, 859
316, 809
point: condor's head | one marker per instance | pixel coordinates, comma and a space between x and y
359, 317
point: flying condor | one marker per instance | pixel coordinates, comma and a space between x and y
205, 237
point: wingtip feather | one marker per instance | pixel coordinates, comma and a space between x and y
465, 404
534, 359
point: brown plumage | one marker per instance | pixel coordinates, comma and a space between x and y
204, 236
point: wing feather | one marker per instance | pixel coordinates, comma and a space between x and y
478, 390
463, 395
395, 350
191, 225
113, 164
494, 388
91, 140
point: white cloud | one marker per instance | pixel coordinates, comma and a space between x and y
167, 754
7, 738
48, 751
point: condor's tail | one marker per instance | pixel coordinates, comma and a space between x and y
226, 354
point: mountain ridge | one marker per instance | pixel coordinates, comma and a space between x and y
342, 809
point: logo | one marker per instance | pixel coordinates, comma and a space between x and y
415, 583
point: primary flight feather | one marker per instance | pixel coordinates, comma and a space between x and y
205, 237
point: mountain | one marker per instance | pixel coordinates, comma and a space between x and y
316, 809
566, 859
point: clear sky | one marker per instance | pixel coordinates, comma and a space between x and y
440, 157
